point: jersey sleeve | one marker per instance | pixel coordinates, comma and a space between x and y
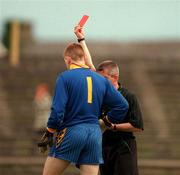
58, 104
117, 104
134, 113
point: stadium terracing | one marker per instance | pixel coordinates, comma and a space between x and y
150, 70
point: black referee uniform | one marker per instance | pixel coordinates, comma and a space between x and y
119, 148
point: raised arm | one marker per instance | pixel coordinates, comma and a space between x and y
80, 35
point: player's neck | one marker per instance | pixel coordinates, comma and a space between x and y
78, 62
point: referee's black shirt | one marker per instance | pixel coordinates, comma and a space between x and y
134, 116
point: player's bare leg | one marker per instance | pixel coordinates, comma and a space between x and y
54, 166
89, 169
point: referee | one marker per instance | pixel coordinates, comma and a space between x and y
119, 143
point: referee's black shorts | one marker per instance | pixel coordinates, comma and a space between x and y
120, 159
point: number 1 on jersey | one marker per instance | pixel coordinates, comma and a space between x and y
89, 89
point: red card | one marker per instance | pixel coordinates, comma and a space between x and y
83, 20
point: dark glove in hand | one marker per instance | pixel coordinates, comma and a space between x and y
46, 140
107, 122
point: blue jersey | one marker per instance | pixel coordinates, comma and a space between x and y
79, 96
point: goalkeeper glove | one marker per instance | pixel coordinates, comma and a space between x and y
105, 123
46, 140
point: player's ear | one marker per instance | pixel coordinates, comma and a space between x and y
68, 60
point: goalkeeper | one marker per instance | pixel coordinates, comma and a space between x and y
78, 98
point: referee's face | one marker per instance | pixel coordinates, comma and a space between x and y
105, 74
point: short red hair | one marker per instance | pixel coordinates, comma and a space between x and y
75, 51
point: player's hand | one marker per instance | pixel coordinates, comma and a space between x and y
78, 30
46, 140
